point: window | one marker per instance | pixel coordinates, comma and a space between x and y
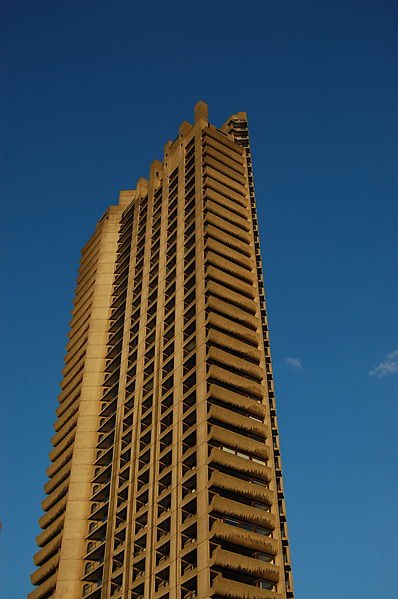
246, 526
242, 455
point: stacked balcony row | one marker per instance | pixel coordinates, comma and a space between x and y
239, 129
242, 546
47, 558
100, 522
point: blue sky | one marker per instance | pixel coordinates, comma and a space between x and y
91, 92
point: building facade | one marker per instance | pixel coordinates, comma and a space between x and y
165, 479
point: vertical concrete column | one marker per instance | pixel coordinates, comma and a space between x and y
201, 382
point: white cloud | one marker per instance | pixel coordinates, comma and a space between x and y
388, 366
295, 363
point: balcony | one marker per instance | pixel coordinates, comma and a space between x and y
51, 530
103, 456
229, 280
245, 488
92, 590
55, 496
232, 297
246, 565
229, 325
244, 424
48, 550
225, 226
100, 492
52, 514
230, 204
218, 162
44, 589
66, 427
239, 401
238, 590
97, 530
107, 424
249, 448
45, 571
229, 185
238, 346
105, 440
99, 512
102, 474
95, 550
92, 571
248, 468
230, 266
58, 478
238, 382
62, 459
243, 537
243, 512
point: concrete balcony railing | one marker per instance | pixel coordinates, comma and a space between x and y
247, 565
227, 227
240, 401
244, 512
55, 496
215, 354
242, 443
92, 571
239, 382
236, 186
70, 401
102, 474
211, 135
51, 530
231, 296
60, 475
244, 423
247, 336
48, 550
229, 204
230, 266
225, 343
44, 589
233, 462
52, 514
91, 590
62, 445
238, 590
95, 550
228, 215
247, 539
70, 377
67, 410
232, 253
212, 147
45, 570
100, 492
60, 461
230, 274
242, 487
67, 426
97, 530
219, 164
231, 281
70, 390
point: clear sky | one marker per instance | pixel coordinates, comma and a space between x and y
91, 91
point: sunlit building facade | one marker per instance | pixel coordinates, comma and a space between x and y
165, 479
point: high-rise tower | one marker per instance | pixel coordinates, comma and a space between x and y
165, 478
